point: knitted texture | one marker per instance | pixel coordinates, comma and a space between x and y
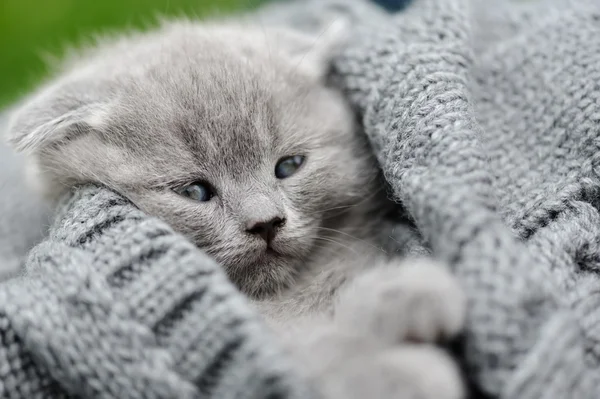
485, 120
116, 305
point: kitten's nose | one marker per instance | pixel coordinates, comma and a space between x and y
266, 230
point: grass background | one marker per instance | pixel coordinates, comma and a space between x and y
30, 29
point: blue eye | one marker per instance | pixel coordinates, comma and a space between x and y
198, 192
287, 166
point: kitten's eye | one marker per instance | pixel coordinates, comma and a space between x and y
287, 166
198, 192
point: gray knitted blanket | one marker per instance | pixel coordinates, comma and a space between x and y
485, 117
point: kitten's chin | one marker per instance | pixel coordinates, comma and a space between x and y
267, 275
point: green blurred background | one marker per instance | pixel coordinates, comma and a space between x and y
31, 29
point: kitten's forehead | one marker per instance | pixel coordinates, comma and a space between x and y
217, 112
230, 123
193, 104
228, 114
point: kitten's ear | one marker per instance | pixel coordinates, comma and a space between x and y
54, 116
313, 53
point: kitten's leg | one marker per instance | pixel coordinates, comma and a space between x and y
417, 300
400, 372
348, 365
395, 306
369, 351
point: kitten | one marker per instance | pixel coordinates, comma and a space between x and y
230, 134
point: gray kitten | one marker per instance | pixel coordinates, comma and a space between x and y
230, 134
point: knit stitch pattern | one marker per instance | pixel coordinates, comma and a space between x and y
114, 304
485, 119
490, 140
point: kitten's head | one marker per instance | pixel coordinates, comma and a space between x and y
227, 133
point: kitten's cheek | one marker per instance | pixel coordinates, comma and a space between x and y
299, 242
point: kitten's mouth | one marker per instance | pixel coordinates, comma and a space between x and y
266, 269
263, 273
272, 249
258, 257
271, 252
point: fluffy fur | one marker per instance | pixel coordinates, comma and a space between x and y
148, 114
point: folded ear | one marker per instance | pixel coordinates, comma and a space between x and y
313, 53
55, 115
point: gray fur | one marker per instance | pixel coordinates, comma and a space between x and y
145, 115
222, 104
377, 343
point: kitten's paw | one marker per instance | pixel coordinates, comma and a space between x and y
403, 372
416, 301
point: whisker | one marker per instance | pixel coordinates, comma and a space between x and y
360, 202
336, 207
329, 239
353, 237
325, 248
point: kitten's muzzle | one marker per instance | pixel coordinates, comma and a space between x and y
267, 230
